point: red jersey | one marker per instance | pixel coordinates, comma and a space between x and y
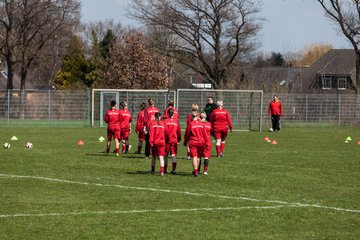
189, 119
112, 117
175, 115
157, 133
125, 118
195, 134
208, 129
275, 108
172, 131
220, 119
140, 122
149, 114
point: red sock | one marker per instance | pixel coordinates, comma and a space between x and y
222, 147
196, 171
127, 147
218, 150
161, 169
123, 148
205, 168
174, 167
116, 150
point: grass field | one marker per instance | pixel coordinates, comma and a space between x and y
305, 187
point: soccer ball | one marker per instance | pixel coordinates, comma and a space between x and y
6, 145
271, 129
29, 145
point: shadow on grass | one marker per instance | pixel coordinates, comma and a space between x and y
183, 174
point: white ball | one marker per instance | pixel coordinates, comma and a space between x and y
7, 145
29, 145
271, 130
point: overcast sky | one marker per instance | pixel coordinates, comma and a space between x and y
290, 24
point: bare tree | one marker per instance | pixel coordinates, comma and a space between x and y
134, 64
27, 26
211, 34
346, 14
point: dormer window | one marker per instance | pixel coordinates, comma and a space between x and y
326, 82
341, 83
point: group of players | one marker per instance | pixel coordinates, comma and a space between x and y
162, 134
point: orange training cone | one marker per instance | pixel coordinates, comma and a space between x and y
80, 142
358, 143
273, 142
266, 139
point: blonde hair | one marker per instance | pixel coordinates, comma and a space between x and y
203, 116
194, 107
220, 103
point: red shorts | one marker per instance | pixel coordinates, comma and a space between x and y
172, 147
196, 151
141, 135
157, 150
207, 150
124, 133
113, 131
220, 133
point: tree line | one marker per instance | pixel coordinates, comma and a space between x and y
46, 42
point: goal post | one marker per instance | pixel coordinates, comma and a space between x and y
101, 99
244, 106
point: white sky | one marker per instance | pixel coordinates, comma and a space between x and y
290, 24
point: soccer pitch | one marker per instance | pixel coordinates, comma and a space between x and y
305, 187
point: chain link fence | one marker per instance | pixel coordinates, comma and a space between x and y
54, 108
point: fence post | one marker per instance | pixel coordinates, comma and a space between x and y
8, 106
306, 108
339, 120
49, 108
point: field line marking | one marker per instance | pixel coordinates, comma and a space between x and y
186, 193
138, 211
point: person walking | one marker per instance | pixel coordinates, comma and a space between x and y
208, 144
195, 138
275, 110
125, 126
173, 138
157, 142
113, 129
139, 128
149, 116
221, 122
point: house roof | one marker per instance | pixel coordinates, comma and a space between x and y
336, 62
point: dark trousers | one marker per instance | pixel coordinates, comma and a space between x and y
275, 120
147, 145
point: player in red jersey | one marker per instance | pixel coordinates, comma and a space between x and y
208, 144
149, 116
176, 113
113, 129
195, 137
139, 129
173, 138
275, 110
125, 126
157, 142
189, 119
221, 121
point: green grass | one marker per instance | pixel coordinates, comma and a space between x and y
306, 187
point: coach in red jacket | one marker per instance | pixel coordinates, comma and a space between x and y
275, 110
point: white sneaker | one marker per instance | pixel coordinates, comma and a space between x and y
129, 148
205, 173
188, 157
